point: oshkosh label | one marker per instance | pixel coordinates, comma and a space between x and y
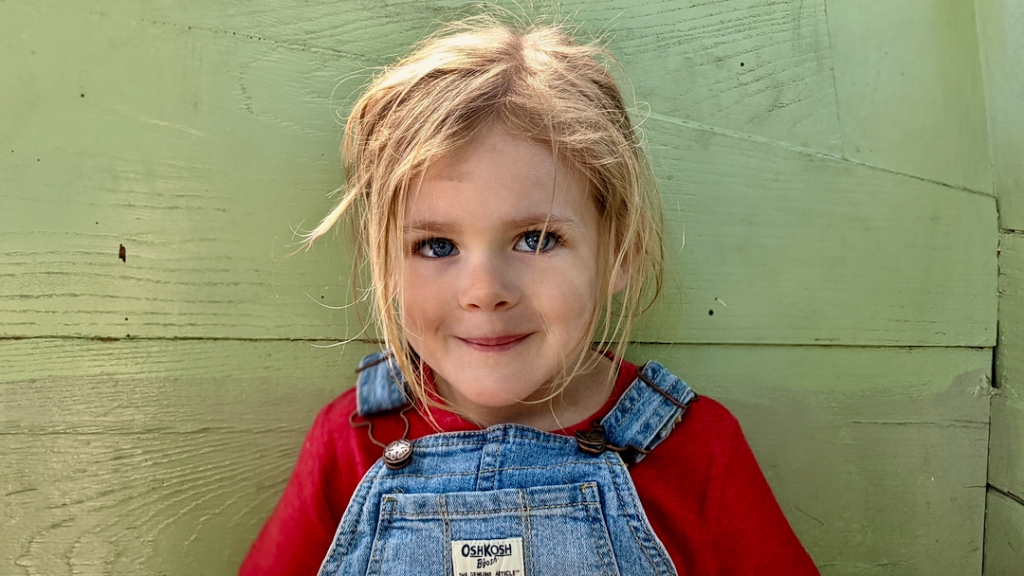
488, 557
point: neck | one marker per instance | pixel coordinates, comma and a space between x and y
585, 394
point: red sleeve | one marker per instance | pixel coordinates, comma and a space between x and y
296, 537
710, 505
750, 534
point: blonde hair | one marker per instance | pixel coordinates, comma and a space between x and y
538, 83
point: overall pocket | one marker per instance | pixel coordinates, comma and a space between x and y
537, 531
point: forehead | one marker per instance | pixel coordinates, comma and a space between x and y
494, 147
499, 174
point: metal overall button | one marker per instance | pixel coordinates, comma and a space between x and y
398, 454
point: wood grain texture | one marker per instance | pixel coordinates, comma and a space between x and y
153, 456
219, 146
755, 67
1001, 40
909, 88
787, 247
198, 157
1004, 534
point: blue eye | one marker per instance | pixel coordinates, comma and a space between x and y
436, 248
535, 241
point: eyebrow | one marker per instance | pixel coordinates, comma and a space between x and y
533, 220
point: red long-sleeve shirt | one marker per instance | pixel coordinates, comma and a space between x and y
701, 488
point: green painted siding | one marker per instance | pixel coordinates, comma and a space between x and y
1003, 535
149, 456
837, 176
1001, 38
910, 90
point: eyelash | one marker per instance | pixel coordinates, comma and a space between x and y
555, 238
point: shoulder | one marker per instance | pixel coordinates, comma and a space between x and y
679, 482
331, 421
330, 435
708, 501
335, 414
705, 452
709, 420
700, 445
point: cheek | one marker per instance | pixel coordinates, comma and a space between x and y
568, 299
422, 300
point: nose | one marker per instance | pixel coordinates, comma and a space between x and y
488, 284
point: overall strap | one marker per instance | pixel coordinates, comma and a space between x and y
648, 410
380, 386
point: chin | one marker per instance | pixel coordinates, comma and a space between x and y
496, 393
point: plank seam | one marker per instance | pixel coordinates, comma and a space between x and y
988, 452
1009, 494
806, 151
336, 342
984, 91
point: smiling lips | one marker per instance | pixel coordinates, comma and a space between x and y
496, 344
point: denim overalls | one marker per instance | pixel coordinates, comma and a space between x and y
509, 500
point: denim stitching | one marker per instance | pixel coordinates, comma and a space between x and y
442, 506
488, 512
353, 526
630, 516
527, 533
660, 562
375, 553
588, 461
595, 519
517, 434
382, 478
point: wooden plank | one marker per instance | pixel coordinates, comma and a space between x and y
153, 456
910, 90
787, 247
752, 67
197, 152
1006, 443
1001, 39
1010, 353
755, 67
220, 145
1004, 533
149, 456
1006, 452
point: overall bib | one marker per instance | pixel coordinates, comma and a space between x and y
509, 500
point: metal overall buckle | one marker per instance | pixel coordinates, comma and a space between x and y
595, 442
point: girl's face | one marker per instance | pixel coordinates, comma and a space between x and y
493, 307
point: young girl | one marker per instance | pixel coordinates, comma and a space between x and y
507, 214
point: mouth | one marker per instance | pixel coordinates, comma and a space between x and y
495, 344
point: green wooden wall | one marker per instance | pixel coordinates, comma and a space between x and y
833, 166
1001, 34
